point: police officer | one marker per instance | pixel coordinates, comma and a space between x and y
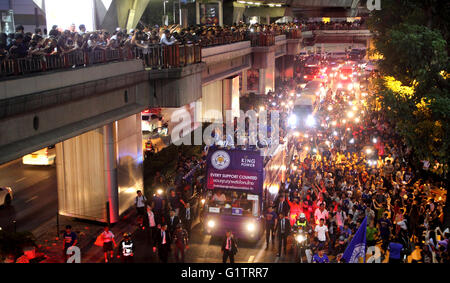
126, 248
302, 224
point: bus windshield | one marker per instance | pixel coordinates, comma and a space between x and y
228, 202
303, 109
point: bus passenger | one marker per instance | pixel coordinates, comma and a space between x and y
219, 197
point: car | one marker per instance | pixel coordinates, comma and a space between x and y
6, 196
357, 54
44, 156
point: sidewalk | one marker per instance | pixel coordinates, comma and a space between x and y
87, 232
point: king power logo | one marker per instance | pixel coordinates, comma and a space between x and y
373, 5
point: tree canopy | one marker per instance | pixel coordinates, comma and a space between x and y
412, 37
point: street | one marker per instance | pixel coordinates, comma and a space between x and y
35, 195
206, 249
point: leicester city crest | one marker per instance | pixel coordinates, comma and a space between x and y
220, 159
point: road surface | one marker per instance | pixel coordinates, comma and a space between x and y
35, 195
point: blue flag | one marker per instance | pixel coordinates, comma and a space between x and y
357, 247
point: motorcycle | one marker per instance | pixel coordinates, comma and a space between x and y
302, 246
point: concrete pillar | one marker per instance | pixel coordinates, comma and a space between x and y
266, 79
100, 167
288, 66
129, 160
244, 82
110, 170
230, 96
212, 101
197, 12
184, 17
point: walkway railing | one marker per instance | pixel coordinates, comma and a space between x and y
155, 56
172, 56
262, 39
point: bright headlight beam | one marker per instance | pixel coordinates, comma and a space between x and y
310, 121
211, 223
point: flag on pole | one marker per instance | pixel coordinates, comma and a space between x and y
357, 247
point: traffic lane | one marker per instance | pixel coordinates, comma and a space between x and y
206, 249
32, 206
20, 177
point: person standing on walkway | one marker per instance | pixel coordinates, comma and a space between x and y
283, 228
126, 248
151, 225
172, 222
270, 217
187, 218
163, 241
140, 203
69, 240
395, 251
229, 248
180, 238
108, 242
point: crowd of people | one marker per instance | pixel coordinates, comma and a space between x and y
59, 41
23, 44
167, 214
333, 25
346, 169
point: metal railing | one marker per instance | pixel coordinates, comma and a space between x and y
154, 56
293, 34
310, 27
170, 56
34, 64
262, 39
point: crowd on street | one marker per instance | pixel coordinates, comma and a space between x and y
352, 165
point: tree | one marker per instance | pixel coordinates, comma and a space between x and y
413, 90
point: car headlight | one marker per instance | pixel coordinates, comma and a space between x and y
300, 238
251, 227
350, 86
211, 223
310, 121
292, 120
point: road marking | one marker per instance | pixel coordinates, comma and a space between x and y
250, 260
21, 179
259, 255
33, 198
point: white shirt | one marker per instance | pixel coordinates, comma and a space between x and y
321, 232
221, 198
107, 236
163, 235
340, 218
320, 214
140, 201
151, 218
166, 41
228, 247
